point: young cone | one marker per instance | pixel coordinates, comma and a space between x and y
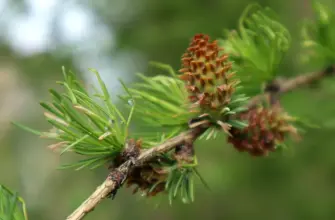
207, 74
267, 128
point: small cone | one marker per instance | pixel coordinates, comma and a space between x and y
266, 129
206, 74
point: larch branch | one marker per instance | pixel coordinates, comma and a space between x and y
109, 184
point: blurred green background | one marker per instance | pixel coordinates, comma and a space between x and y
118, 38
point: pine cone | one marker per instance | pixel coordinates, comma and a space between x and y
266, 129
207, 74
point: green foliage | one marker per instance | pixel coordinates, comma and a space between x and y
92, 126
89, 125
319, 36
226, 115
180, 181
89, 128
161, 101
12, 207
258, 47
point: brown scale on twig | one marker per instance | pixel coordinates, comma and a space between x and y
118, 177
150, 178
131, 152
184, 153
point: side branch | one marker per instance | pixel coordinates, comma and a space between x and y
305, 79
105, 189
109, 185
283, 86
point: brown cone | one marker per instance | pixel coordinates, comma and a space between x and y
266, 128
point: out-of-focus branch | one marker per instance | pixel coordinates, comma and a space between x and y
110, 184
282, 86
305, 79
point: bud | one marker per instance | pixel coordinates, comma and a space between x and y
266, 129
